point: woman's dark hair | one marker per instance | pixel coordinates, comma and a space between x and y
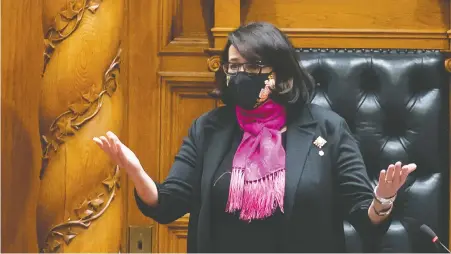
264, 42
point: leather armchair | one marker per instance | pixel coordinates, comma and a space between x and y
396, 104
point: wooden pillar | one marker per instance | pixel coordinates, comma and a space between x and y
80, 205
227, 17
21, 44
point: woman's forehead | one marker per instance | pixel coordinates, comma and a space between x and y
235, 56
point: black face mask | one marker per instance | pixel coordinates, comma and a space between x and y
243, 89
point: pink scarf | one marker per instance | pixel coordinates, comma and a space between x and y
257, 184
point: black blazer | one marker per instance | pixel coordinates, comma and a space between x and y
321, 191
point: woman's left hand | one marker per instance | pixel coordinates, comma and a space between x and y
391, 180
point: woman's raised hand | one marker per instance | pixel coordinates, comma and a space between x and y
118, 152
392, 179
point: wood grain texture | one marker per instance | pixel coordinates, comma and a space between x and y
184, 98
21, 43
349, 23
185, 26
76, 79
144, 96
175, 236
355, 14
125, 131
226, 14
355, 38
184, 85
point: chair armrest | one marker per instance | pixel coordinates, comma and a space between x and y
353, 242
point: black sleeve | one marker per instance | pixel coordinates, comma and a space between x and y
355, 189
175, 194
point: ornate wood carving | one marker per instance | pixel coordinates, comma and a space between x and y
86, 212
214, 63
448, 61
65, 23
79, 113
214, 59
80, 206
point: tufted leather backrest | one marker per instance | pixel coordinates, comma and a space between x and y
396, 104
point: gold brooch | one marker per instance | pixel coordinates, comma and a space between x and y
320, 142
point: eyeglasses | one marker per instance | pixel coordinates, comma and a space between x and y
251, 68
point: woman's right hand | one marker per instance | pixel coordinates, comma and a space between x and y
118, 152
125, 158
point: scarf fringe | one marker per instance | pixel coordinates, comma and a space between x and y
235, 190
256, 199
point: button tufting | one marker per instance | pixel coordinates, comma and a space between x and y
395, 102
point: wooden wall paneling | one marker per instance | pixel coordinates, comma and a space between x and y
143, 20
227, 15
422, 15
176, 235
348, 24
185, 82
184, 63
184, 98
353, 23
185, 26
21, 65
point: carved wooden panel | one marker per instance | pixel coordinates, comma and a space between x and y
186, 25
175, 235
141, 42
184, 98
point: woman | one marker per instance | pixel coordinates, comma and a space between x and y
268, 172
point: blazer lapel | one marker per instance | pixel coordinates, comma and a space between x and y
300, 135
219, 135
